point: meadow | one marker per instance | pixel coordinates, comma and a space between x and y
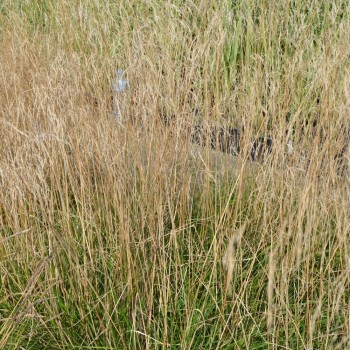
125, 235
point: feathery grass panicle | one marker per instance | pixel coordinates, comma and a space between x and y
228, 260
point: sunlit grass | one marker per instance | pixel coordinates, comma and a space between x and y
127, 236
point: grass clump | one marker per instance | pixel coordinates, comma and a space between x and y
113, 235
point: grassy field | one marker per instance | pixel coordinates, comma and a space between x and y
127, 236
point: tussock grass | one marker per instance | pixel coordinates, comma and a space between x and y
125, 235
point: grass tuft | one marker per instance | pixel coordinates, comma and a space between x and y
127, 236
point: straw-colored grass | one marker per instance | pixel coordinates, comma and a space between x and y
127, 236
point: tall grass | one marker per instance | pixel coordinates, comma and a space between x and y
126, 236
